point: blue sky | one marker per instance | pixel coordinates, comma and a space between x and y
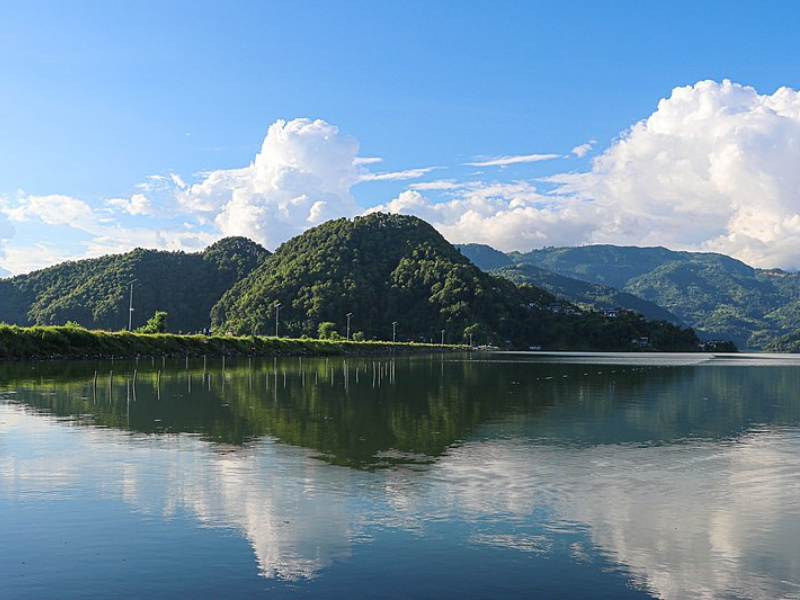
509, 123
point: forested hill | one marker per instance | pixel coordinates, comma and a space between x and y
95, 294
383, 269
717, 295
583, 293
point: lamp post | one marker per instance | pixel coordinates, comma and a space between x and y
277, 316
130, 307
442, 337
394, 331
348, 324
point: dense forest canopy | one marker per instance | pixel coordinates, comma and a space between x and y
96, 292
372, 277
384, 269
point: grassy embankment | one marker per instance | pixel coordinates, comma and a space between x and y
76, 342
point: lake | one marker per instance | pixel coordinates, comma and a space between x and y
456, 476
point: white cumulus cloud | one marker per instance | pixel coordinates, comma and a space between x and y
53, 209
715, 167
301, 177
507, 216
137, 204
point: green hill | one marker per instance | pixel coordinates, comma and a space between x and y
381, 268
95, 292
586, 295
393, 268
719, 296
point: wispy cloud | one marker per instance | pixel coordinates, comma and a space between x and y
504, 161
397, 175
367, 160
439, 184
583, 149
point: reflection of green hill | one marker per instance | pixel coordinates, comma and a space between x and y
371, 414
376, 418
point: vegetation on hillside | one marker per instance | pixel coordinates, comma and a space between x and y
96, 292
588, 296
377, 277
384, 269
76, 342
720, 297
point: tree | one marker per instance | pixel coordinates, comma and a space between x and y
156, 324
327, 331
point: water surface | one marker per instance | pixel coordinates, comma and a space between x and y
612, 475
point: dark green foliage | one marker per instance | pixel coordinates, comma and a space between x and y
156, 324
76, 342
385, 268
95, 292
381, 268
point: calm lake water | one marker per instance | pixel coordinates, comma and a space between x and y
500, 475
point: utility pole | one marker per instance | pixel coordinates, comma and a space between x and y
348, 324
277, 315
130, 307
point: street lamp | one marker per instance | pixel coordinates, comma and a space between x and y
394, 331
348, 324
442, 337
130, 308
277, 315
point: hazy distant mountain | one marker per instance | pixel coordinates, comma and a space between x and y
584, 294
485, 257
719, 296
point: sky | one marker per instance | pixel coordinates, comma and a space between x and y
516, 124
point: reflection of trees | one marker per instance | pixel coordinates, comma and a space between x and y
362, 413
369, 413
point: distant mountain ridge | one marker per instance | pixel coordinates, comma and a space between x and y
719, 296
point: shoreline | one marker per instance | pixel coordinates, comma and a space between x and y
76, 343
